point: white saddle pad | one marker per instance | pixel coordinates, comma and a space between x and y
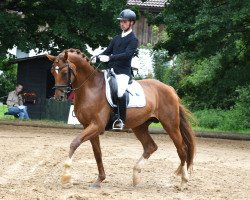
136, 94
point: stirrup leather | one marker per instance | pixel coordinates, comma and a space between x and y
118, 122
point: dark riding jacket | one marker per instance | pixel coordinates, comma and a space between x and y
121, 51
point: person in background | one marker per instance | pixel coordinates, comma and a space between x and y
15, 103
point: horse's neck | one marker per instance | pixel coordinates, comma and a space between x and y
83, 67
88, 81
89, 84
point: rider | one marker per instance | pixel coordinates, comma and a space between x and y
119, 54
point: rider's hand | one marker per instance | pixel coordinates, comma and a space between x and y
104, 58
93, 59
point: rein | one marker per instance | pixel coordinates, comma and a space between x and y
74, 89
68, 86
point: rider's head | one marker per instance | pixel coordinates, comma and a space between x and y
127, 19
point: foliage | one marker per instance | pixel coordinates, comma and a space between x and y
206, 28
223, 120
7, 78
205, 83
212, 41
53, 26
242, 106
3, 109
237, 118
57, 25
160, 58
209, 118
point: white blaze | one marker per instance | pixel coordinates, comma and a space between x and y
57, 69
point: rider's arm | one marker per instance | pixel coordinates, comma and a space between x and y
109, 50
11, 100
129, 52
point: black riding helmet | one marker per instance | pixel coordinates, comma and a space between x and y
127, 14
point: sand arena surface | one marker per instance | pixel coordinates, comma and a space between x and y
32, 164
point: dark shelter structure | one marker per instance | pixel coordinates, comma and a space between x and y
34, 74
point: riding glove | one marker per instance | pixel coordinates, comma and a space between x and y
104, 58
93, 59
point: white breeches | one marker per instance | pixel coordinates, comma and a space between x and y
122, 82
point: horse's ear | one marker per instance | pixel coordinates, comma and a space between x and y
50, 57
65, 56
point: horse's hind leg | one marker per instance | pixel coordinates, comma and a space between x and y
149, 147
175, 134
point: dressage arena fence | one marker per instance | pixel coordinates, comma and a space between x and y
57, 110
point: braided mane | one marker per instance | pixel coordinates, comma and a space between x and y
76, 51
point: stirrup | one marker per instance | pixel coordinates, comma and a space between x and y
118, 122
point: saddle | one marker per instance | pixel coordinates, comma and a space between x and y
135, 94
133, 97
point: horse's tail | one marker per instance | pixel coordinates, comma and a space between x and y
187, 134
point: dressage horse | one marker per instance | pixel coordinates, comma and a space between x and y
72, 68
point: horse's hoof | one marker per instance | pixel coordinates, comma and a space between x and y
66, 181
184, 179
136, 181
95, 185
183, 185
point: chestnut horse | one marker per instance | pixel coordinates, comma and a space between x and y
71, 67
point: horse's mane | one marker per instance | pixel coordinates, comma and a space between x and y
77, 51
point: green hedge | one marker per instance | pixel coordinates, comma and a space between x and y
232, 120
3, 109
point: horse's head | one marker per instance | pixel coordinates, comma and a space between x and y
64, 74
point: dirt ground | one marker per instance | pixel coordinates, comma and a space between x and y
32, 161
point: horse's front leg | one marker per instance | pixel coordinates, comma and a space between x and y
91, 131
98, 157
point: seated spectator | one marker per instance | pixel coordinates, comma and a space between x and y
15, 103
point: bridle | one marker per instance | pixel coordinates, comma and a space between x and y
67, 88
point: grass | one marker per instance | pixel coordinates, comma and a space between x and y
198, 128
3, 109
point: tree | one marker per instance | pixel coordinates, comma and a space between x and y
7, 78
53, 26
204, 28
160, 64
214, 36
56, 25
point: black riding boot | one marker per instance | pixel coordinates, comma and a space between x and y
122, 107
